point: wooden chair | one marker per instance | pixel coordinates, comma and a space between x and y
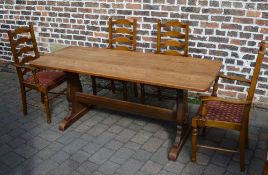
24, 49
170, 41
227, 114
122, 36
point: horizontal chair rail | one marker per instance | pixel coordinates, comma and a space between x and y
218, 149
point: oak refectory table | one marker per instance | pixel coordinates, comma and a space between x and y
174, 72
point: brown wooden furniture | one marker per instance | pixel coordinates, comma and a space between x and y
122, 36
227, 114
186, 74
172, 39
24, 49
265, 170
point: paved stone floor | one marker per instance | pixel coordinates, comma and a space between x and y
106, 142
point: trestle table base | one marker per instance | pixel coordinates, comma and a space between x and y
82, 102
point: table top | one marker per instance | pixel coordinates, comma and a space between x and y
153, 69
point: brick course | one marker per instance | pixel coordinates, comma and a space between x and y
227, 30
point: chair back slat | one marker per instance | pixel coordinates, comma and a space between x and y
256, 71
125, 35
172, 43
123, 30
174, 37
24, 50
21, 30
173, 34
123, 22
174, 24
121, 40
27, 59
23, 40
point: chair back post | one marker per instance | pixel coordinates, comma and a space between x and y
158, 37
110, 32
13, 47
187, 31
11, 35
256, 71
33, 39
134, 39
215, 87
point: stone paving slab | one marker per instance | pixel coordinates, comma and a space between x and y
108, 142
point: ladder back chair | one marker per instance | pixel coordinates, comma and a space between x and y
231, 114
122, 36
172, 39
24, 49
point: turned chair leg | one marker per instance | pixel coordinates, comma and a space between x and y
242, 150
23, 99
194, 140
47, 108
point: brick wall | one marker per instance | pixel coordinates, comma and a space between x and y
226, 30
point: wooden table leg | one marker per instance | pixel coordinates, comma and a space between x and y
183, 128
78, 109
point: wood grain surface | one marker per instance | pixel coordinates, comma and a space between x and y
147, 68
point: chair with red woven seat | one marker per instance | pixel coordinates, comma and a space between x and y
24, 49
232, 114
